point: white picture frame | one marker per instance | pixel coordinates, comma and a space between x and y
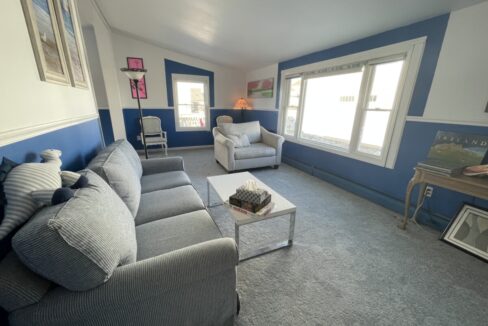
40, 16
71, 37
469, 231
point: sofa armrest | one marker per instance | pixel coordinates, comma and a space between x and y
159, 165
272, 139
189, 286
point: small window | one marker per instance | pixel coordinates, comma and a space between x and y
191, 102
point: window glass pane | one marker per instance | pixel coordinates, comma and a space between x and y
329, 108
290, 120
293, 103
191, 104
385, 83
373, 132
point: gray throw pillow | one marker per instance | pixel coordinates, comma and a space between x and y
117, 171
79, 243
251, 129
18, 185
240, 140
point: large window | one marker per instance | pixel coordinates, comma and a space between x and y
191, 101
351, 106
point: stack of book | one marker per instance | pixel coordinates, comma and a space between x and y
250, 199
452, 152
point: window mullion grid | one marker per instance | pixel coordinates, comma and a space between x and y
301, 103
285, 105
364, 93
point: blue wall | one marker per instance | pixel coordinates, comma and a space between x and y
79, 144
433, 28
167, 116
106, 123
173, 67
381, 185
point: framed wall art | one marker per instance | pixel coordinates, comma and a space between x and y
260, 88
46, 41
72, 42
137, 63
469, 231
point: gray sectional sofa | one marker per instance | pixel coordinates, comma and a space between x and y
161, 260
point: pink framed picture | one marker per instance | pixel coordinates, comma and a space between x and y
137, 63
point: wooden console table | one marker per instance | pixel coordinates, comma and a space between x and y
473, 186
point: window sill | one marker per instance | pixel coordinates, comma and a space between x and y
337, 151
183, 129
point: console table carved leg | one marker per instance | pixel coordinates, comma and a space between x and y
411, 184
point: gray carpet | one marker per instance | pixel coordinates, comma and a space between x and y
349, 265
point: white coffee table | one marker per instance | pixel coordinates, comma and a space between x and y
225, 186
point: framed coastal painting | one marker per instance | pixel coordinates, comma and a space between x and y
469, 231
46, 41
260, 88
71, 40
137, 63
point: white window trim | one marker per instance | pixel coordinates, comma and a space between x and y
191, 78
412, 50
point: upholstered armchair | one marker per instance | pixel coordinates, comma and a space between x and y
240, 146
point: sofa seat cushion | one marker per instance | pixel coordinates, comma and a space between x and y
254, 151
164, 203
79, 243
165, 180
162, 236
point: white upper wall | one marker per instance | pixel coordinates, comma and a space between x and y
459, 92
30, 106
228, 82
263, 73
92, 18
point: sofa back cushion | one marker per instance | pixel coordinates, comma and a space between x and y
131, 155
251, 129
116, 169
19, 286
79, 243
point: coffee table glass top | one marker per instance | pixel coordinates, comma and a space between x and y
226, 185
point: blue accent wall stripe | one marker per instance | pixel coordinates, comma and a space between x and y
433, 28
175, 138
79, 144
173, 67
106, 123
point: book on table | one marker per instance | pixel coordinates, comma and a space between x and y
451, 152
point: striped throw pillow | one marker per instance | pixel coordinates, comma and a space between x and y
20, 182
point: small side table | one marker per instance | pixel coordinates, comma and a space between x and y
473, 186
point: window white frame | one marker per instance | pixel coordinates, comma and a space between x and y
175, 78
411, 51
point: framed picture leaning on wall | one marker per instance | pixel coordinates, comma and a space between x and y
469, 231
46, 41
71, 40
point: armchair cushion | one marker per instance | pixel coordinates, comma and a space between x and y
240, 140
251, 129
79, 243
254, 151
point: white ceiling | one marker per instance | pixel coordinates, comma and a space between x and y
249, 34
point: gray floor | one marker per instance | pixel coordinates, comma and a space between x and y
349, 265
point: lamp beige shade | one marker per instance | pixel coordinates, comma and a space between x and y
242, 104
